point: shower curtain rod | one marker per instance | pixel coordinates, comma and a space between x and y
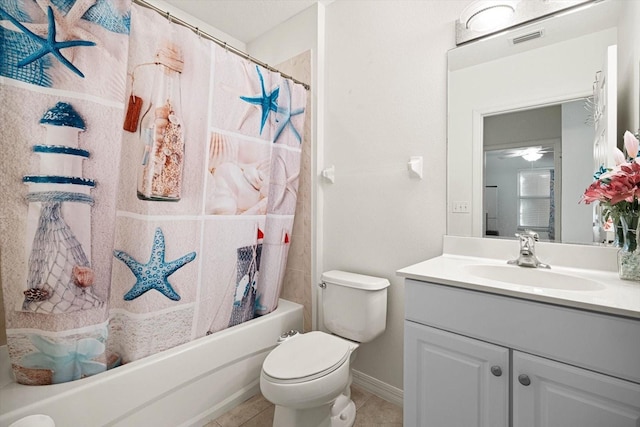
219, 42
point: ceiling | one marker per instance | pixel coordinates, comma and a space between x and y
244, 20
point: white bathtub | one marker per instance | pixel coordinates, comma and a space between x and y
186, 386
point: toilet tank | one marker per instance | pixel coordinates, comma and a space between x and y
354, 305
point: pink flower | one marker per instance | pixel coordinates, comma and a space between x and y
622, 183
617, 186
631, 144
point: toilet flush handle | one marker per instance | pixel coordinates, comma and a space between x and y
286, 335
289, 334
322, 285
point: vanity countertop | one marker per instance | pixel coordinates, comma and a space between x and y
616, 296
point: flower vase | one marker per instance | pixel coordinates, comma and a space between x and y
629, 254
618, 235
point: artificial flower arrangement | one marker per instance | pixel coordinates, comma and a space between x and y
617, 190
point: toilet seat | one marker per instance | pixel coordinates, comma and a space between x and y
306, 357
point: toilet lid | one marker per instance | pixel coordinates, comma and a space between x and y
306, 356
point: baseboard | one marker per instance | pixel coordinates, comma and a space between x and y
381, 389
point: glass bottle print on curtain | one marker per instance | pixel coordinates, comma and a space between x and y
162, 130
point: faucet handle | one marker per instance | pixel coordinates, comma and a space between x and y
529, 233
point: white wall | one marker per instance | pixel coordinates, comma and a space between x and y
292, 37
523, 126
629, 68
386, 100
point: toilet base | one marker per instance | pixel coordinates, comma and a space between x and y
343, 412
312, 417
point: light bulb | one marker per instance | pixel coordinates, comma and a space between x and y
488, 15
532, 156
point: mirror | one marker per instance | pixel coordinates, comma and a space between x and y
554, 95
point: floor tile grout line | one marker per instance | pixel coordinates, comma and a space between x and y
367, 398
364, 402
256, 415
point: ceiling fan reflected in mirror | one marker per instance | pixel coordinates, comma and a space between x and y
530, 154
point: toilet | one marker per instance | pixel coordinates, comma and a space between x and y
308, 376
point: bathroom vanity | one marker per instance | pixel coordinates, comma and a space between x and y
488, 346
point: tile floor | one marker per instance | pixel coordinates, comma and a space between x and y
258, 412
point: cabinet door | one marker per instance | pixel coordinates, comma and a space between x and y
560, 395
451, 380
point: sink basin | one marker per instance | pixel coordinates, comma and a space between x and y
535, 277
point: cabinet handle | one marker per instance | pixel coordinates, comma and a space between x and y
496, 370
524, 379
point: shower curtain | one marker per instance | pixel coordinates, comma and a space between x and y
149, 183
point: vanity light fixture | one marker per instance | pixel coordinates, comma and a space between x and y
487, 15
483, 18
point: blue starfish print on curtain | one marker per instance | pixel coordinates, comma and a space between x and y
267, 102
154, 274
48, 45
14, 46
287, 112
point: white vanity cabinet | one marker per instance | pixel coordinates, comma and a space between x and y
549, 393
478, 359
448, 380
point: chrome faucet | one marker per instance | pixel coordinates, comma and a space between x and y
528, 256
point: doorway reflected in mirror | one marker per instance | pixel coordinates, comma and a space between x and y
535, 162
